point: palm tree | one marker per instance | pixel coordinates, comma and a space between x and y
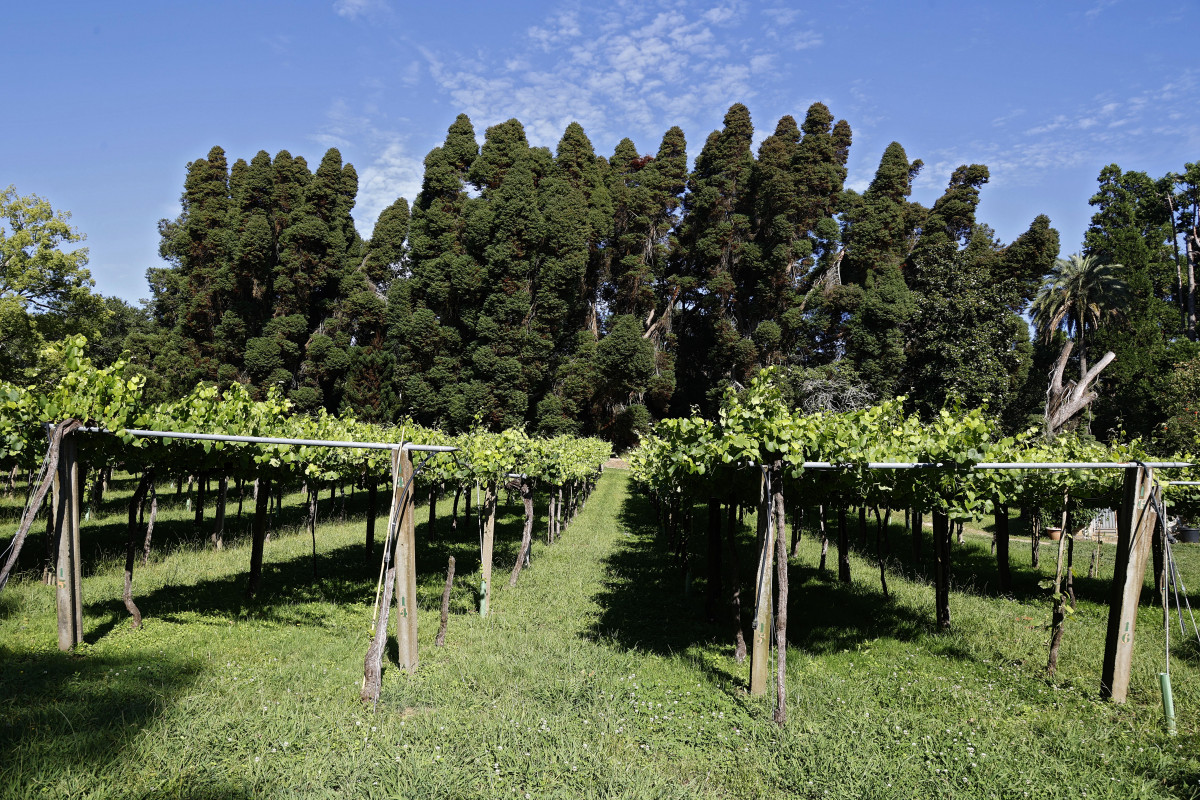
1076, 297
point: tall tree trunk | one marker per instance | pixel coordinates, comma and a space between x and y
941, 549
843, 546
433, 495
735, 582
1094, 565
1002, 567
1035, 540
1059, 615
262, 510
485, 556
880, 524
1062, 403
458, 490
150, 524
887, 531
797, 527
779, 506
918, 529
98, 487
1069, 578
440, 641
714, 590
48, 574
824, 532
131, 543
526, 532
1192, 243
218, 534
1183, 311
314, 499
372, 511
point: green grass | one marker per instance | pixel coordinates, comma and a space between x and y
595, 677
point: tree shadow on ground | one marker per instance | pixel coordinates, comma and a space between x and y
344, 575
66, 713
649, 602
974, 568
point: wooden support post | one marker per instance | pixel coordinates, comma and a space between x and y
761, 641
1135, 529
373, 663
485, 553
66, 523
406, 571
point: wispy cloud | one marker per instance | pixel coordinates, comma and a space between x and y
1097, 9
393, 172
1105, 130
353, 9
782, 16
1004, 119
803, 40
616, 70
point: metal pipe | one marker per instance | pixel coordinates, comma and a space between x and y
223, 437
1000, 465
1183, 483
1087, 465
430, 448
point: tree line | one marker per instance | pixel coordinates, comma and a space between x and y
568, 292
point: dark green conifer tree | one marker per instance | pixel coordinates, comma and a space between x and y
577, 210
880, 227
262, 264
812, 328
510, 351
368, 392
646, 196
713, 237
433, 306
766, 283
1132, 227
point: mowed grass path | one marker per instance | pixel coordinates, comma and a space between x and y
597, 676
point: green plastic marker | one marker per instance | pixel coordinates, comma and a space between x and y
1164, 681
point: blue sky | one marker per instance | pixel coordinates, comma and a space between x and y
105, 103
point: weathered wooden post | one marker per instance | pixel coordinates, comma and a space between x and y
66, 532
1135, 530
761, 640
485, 555
406, 570
373, 663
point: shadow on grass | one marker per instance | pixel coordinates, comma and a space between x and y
64, 713
647, 602
345, 575
974, 568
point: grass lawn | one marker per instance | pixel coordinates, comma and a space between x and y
597, 676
